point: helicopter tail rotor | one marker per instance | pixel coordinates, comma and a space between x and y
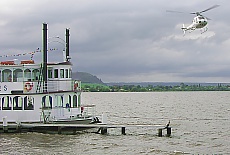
183, 29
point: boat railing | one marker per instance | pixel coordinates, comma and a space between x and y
88, 110
51, 86
60, 113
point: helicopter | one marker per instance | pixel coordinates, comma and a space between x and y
199, 22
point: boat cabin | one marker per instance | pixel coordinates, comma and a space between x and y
20, 77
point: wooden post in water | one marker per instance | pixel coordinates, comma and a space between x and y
123, 131
160, 132
103, 130
169, 130
59, 129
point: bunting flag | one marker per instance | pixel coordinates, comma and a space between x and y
31, 53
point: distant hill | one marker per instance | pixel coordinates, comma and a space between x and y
86, 77
145, 84
89, 78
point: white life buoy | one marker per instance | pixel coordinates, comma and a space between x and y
28, 86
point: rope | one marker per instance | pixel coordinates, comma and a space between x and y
27, 53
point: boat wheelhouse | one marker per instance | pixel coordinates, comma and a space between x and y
44, 93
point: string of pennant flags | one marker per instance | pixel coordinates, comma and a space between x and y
27, 53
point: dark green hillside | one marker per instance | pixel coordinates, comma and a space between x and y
92, 87
86, 77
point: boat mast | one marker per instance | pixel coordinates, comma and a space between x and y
44, 65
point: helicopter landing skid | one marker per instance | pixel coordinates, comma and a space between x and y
203, 30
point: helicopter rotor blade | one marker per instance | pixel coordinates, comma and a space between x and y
195, 13
198, 13
174, 11
214, 6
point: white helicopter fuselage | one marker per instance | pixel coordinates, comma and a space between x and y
199, 22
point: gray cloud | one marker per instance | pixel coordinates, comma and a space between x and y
130, 40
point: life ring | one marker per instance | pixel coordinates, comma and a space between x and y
75, 86
28, 86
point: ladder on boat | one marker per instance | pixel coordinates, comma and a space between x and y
40, 79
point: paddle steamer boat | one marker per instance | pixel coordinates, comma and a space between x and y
42, 93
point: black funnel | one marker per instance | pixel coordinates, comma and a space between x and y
44, 65
67, 45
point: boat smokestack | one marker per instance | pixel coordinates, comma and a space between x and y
44, 65
67, 45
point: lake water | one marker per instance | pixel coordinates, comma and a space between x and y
200, 124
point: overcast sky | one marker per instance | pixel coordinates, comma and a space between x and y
123, 40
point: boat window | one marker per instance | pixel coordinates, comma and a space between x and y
70, 73
66, 73
47, 101
6, 103
17, 103
35, 74
18, 75
28, 103
27, 75
50, 73
6, 75
70, 103
55, 73
59, 101
62, 73
74, 101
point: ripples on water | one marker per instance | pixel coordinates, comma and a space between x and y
200, 125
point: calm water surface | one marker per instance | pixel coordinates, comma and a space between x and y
200, 125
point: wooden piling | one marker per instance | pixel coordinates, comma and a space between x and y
169, 130
123, 131
59, 129
103, 130
160, 132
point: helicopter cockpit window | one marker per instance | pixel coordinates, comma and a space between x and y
201, 17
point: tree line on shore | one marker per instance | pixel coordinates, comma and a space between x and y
87, 87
